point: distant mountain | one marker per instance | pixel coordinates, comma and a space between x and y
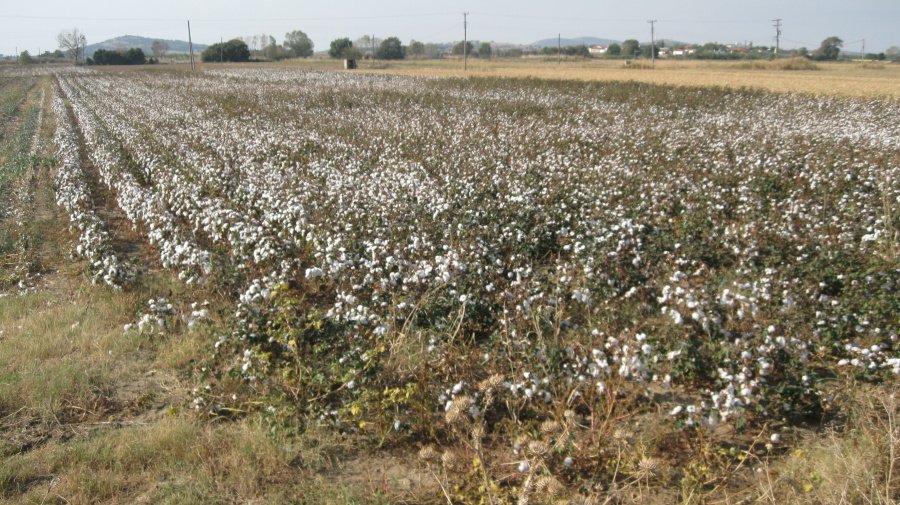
577, 41
130, 41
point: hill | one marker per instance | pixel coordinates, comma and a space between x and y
577, 41
130, 41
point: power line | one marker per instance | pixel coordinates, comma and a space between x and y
621, 20
216, 20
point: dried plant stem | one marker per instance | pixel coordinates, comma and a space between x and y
527, 486
441, 484
477, 433
892, 446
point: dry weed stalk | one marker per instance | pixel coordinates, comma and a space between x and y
888, 215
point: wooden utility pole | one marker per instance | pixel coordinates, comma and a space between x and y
777, 36
190, 46
465, 42
652, 43
559, 49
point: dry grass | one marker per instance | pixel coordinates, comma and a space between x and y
786, 64
854, 462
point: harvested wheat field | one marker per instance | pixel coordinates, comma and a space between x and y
860, 80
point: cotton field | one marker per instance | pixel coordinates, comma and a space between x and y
578, 240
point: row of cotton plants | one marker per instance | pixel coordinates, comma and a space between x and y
745, 237
177, 249
73, 193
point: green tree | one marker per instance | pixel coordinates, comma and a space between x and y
485, 50
25, 58
892, 52
829, 50
646, 51
298, 43
133, 56
712, 47
336, 50
391, 49
458, 48
631, 48
233, 50
614, 49
415, 49
276, 52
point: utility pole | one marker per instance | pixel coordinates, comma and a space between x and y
652, 43
373, 50
190, 46
559, 49
862, 52
777, 36
221, 52
465, 42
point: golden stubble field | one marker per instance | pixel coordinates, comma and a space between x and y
845, 79
860, 80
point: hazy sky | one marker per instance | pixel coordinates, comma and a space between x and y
34, 26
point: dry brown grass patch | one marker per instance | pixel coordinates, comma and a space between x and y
785, 64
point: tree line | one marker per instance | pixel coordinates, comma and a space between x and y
297, 44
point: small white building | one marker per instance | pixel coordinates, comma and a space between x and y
598, 49
683, 51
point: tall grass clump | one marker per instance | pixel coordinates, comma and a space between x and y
798, 63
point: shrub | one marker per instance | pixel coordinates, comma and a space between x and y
234, 50
133, 56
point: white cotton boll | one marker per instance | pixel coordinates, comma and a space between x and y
524, 466
677, 410
568, 462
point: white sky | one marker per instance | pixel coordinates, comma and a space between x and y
34, 26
